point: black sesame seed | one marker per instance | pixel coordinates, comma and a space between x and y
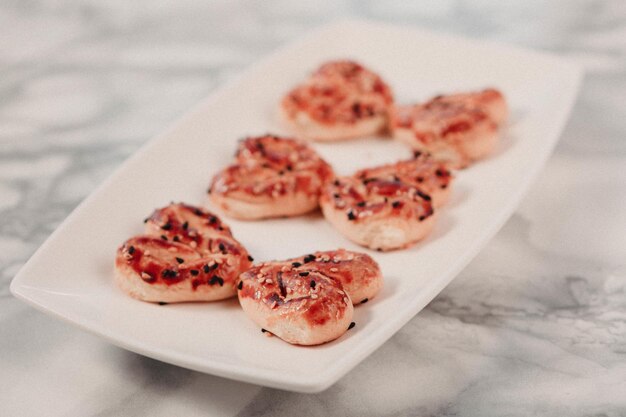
168, 273
312, 284
336, 183
304, 274
131, 250
422, 218
179, 260
361, 204
185, 225
365, 300
206, 269
214, 266
163, 237
146, 219
308, 258
222, 247
176, 238
216, 280
212, 219
240, 286
440, 172
351, 325
351, 215
194, 272
423, 195
416, 154
296, 264
162, 303
250, 258
396, 204
197, 212
444, 186
167, 226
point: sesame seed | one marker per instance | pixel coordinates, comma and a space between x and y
206, 269
222, 247
304, 274
131, 250
179, 260
193, 244
361, 204
250, 258
396, 204
352, 324
351, 215
296, 264
176, 238
268, 281
166, 226
194, 272
240, 286
314, 296
185, 225
216, 280
146, 275
308, 258
312, 284
163, 237
197, 212
162, 303
333, 269
365, 300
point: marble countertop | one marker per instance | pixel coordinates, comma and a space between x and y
535, 325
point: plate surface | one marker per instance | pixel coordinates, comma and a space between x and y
71, 275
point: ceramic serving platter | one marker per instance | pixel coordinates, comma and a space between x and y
71, 275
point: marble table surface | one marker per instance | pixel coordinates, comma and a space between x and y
535, 325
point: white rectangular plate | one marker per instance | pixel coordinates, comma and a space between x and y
71, 275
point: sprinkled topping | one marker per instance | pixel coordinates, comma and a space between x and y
240, 286
163, 237
250, 258
304, 274
312, 284
314, 296
169, 273
308, 258
352, 324
222, 247
194, 272
179, 260
351, 215
131, 249
176, 238
162, 303
365, 300
396, 204
197, 212
167, 226
206, 269
296, 264
361, 204
216, 280
185, 225
146, 276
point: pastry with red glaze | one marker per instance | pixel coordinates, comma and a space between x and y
423, 172
381, 214
458, 128
340, 100
185, 254
271, 177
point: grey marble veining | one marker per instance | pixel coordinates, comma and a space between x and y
535, 325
